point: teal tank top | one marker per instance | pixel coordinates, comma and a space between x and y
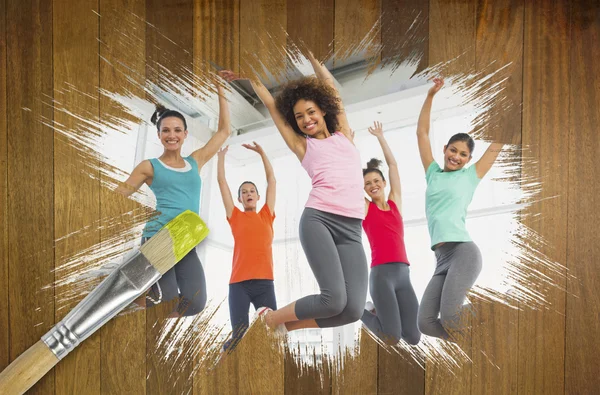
447, 198
175, 191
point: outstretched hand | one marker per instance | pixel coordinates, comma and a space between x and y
230, 76
438, 83
256, 148
222, 152
377, 129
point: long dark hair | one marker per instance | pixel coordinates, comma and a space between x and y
162, 112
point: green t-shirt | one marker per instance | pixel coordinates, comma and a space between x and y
446, 200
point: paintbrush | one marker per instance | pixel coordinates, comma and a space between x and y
126, 283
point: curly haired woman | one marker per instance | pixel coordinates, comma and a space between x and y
310, 117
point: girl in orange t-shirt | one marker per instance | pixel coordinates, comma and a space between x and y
252, 272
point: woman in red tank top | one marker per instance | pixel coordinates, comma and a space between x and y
393, 314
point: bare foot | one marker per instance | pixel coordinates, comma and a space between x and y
269, 320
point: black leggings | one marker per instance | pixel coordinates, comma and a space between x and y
261, 293
185, 280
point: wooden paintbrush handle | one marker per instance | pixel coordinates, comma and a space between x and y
27, 370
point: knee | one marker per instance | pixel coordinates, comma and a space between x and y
426, 325
333, 303
192, 307
351, 313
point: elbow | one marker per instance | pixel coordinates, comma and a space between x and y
226, 131
271, 180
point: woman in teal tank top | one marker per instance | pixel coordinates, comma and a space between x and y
175, 181
449, 193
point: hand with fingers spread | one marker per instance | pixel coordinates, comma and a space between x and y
438, 83
377, 129
222, 152
256, 148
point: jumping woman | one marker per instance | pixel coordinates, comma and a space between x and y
449, 192
310, 117
175, 181
252, 272
394, 315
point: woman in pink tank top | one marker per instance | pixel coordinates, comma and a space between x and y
393, 314
310, 117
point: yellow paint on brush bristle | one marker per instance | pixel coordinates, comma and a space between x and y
186, 230
174, 240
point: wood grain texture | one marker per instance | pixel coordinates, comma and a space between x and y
495, 326
221, 377
304, 378
358, 371
169, 39
405, 32
30, 177
357, 28
165, 375
4, 309
122, 34
399, 373
545, 122
264, 47
452, 35
316, 34
76, 195
502, 22
582, 359
494, 349
217, 33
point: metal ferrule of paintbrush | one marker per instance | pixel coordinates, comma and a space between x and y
115, 292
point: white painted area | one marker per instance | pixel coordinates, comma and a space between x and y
491, 212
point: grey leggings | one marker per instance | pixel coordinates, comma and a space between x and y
185, 280
395, 303
333, 247
458, 266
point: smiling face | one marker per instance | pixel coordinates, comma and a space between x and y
248, 196
309, 117
375, 186
456, 155
172, 133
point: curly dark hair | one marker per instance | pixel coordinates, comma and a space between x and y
308, 88
373, 167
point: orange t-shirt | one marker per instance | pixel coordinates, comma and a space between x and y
252, 248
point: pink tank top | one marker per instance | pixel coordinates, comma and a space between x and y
334, 167
385, 231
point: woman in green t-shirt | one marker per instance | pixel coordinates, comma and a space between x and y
449, 193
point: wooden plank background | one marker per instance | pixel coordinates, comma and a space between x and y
553, 79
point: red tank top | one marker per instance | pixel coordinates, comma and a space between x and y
385, 231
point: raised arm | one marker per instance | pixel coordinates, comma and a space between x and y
394, 175
484, 164
325, 75
223, 186
269, 173
295, 142
424, 124
204, 154
141, 174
